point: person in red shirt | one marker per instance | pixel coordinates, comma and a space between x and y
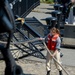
53, 43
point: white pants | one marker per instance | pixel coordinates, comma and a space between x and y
49, 59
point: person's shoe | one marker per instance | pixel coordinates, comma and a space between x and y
60, 73
48, 72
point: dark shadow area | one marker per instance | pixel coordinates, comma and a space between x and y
68, 47
47, 12
43, 19
48, 8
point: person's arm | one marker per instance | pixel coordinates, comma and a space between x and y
46, 38
58, 44
54, 53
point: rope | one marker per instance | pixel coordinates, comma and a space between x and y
55, 59
22, 42
37, 39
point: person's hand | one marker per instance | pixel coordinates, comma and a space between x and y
52, 55
41, 38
